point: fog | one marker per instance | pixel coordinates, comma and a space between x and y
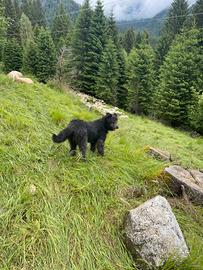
134, 9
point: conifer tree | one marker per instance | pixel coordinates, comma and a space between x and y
2, 28
80, 46
38, 15
181, 79
34, 11
129, 40
13, 30
96, 43
60, 28
30, 57
112, 31
174, 23
121, 87
198, 11
26, 32
140, 79
107, 79
17, 9
12, 55
46, 56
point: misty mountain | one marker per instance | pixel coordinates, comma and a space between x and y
151, 25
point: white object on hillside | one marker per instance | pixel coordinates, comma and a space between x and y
18, 77
14, 75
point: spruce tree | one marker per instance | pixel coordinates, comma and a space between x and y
46, 56
13, 30
129, 40
61, 27
198, 11
181, 79
121, 86
174, 23
107, 79
2, 29
12, 55
38, 15
34, 11
140, 79
80, 46
17, 9
30, 57
26, 31
112, 31
96, 44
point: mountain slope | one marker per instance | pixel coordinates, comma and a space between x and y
58, 212
152, 25
51, 6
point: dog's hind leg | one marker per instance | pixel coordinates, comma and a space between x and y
82, 144
73, 147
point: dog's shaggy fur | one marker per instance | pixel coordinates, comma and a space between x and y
79, 133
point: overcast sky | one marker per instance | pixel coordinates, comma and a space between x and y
134, 9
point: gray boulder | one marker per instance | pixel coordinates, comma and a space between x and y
191, 180
153, 235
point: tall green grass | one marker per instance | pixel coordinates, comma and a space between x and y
57, 212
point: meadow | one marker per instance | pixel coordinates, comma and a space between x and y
58, 212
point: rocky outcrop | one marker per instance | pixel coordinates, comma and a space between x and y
153, 235
190, 180
99, 105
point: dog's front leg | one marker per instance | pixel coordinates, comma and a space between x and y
100, 147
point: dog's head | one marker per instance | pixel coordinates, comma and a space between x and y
111, 121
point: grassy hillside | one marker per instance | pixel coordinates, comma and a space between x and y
58, 212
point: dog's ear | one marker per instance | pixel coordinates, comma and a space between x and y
107, 115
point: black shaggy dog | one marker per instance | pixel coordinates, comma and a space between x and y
79, 133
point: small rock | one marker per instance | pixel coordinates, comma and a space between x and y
32, 189
192, 181
153, 235
159, 154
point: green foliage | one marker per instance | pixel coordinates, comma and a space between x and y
198, 11
50, 6
67, 214
107, 80
181, 77
61, 27
12, 55
2, 28
196, 114
26, 32
129, 40
30, 57
12, 30
80, 45
122, 77
46, 56
34, 11
96, 44
140, 79
112, 31
177, 15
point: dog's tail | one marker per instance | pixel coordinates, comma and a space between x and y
62, 136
